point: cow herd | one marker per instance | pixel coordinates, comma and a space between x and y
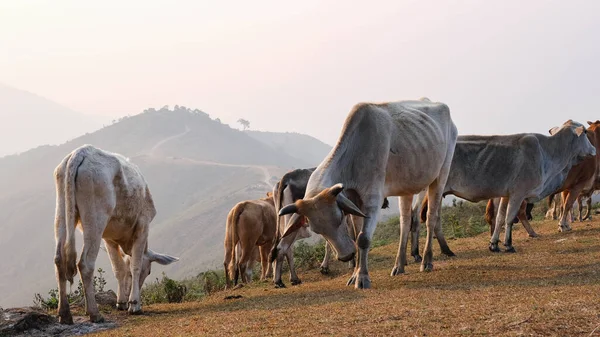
408, 149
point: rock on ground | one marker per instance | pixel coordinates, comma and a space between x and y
30, 321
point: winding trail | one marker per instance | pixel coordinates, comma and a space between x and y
263, 169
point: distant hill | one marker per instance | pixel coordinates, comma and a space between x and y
196, 167
298, 145
28, 120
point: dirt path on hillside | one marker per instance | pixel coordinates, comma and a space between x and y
263, 169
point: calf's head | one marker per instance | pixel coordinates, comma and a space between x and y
325, 213
581, 147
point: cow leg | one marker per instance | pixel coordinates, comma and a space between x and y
244, 263
92, 237
405, 204
64, 313
264, 261
361, 278
137, 252
284, 245
121, 272
567, 205
439, 234
294, 280
514, 204
500, 219
588, 214
523, 218
415, 230
326, 258
434, 195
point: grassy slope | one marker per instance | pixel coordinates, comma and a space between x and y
550, 287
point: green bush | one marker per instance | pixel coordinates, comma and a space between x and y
309, 256
167, 290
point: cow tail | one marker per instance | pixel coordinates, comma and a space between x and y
489, 215
235, 219
71, 214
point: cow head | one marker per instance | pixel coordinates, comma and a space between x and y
325, 213
582, 148
147, 260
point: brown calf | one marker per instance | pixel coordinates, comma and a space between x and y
249, 224
581, 177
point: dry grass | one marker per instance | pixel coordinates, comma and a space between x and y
550, 287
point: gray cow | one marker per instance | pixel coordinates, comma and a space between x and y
107, 197
527, 166
386, 149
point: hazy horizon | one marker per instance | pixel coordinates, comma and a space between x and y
502, 67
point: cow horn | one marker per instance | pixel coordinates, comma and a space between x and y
293, 225
579, 130
289, 209
336, 189
348, 206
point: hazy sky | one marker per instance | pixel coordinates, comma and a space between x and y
501, 66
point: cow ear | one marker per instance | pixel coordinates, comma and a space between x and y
295, 222
163, 259
348, 206
336, 189
579, 130
590, 123
554, 130
289, 209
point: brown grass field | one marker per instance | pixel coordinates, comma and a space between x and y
550, 287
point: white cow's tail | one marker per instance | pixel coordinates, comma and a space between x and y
235, 219
70, 206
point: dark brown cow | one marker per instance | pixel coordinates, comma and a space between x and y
249, 224
581, 177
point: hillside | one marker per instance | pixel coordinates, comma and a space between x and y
299, 145
549, 287
28, 120
197, 169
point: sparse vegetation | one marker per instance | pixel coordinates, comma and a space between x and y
51, 302
308, 256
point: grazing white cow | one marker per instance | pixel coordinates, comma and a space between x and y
387, 149
107, 197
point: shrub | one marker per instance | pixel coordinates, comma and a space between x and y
309, 256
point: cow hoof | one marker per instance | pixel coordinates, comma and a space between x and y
325, 270
397, 271
121, 305
279, 284
494, 248
295, 282
427, 267
351, 280
534, 235
96, 318
564, 229
135, 308
418, 258
65, 319
363, 282
510, 249
448, 253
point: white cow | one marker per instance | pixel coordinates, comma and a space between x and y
387, 149
107, 197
